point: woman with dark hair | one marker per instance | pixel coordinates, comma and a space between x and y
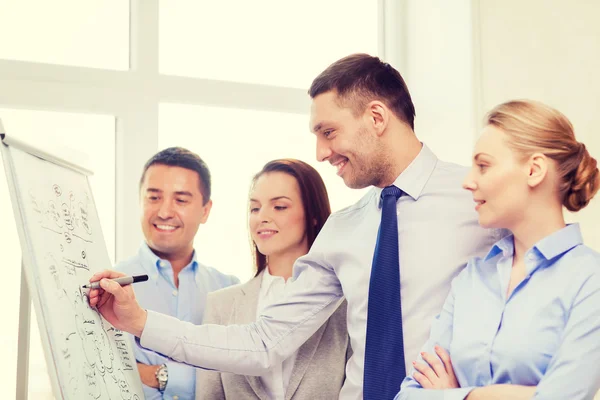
288, 206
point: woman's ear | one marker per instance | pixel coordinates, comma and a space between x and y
537, 168
314, 222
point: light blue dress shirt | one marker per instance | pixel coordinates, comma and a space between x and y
185, 303
437, 232
545, 334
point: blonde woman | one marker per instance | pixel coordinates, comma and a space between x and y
524, 321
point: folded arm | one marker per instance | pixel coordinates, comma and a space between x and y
181, 377
573, 372
502, 392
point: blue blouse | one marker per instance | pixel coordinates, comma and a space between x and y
545, 334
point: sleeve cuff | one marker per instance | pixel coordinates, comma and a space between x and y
458, 394
433, 394
159, 334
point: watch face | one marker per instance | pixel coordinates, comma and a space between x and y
162, 375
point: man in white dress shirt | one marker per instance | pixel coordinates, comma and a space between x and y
362, 116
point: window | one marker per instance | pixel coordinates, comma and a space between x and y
40, 31
276, 43
268, 43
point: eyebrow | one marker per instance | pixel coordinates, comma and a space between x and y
317, 127
479, 155
177, 193
274, 198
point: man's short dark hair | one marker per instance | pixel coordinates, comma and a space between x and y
183, 158
360, 78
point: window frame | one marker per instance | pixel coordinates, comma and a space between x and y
133, 97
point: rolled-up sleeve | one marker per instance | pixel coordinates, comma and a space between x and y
311, 297
573, 372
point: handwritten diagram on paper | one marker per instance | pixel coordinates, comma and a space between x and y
92, 359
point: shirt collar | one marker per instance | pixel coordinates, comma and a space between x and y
560, 241
414, 178
504, 246
549, 247
153, 264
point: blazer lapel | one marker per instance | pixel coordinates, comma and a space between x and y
245, 313
303, 358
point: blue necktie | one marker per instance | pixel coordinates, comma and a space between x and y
384, 351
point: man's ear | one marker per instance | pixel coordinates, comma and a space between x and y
206, 211
378, 116
537, 169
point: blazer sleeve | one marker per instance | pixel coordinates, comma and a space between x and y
209, 385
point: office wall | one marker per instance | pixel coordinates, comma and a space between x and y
439, 71
548, 50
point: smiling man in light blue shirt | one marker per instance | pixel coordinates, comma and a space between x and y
175, 200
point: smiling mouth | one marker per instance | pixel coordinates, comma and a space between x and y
266, 233
340, 166
165, 228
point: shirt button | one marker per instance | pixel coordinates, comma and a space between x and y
161, 264
175, 397
174, 292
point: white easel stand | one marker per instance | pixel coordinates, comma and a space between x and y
24, 335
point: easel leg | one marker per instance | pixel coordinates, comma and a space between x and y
24, 335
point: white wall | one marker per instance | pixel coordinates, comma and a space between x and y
439, 71
547, 50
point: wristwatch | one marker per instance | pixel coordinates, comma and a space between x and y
162, 375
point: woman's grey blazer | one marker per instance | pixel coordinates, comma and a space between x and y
320, 367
